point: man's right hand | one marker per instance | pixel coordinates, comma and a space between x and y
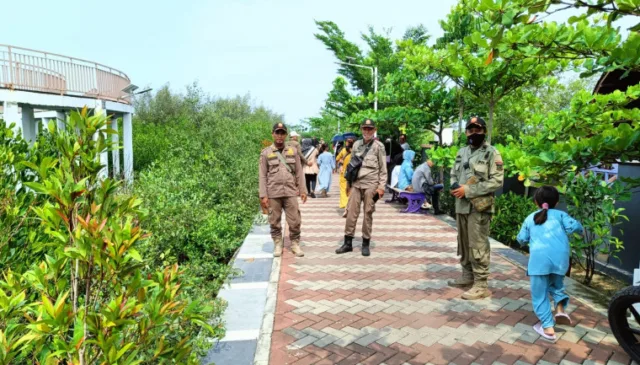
264, 202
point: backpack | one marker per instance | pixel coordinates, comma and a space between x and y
352, 170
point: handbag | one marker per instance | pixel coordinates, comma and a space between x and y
352, 170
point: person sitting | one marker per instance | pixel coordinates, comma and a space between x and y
395, 173
423, 181
406, 171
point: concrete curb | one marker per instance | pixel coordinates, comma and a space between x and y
251, 298
578, 291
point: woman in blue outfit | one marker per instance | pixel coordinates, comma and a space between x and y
406, 170
327, 165
546, 233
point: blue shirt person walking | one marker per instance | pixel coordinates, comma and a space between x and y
546, 233
327, 164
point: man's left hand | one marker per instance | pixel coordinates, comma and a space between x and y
459, 192
380, 193
304, 198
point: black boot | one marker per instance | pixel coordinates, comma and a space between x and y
365, 246
347, 246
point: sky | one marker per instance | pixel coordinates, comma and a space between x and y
262, 48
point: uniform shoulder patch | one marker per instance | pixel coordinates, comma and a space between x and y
290, 152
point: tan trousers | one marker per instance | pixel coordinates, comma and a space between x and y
290, 206
356, 197
473, 245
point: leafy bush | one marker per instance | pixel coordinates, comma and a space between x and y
511, 211
89, 301
18, 226
591, 201
197, 175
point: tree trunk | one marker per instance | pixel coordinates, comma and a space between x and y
460, 111
490, 126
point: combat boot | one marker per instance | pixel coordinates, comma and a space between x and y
277, 251
295, 248
463, 281
365, 246
478, 291
347, 246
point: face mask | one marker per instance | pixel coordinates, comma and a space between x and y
476, 139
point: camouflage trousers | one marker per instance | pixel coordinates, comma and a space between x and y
473, 245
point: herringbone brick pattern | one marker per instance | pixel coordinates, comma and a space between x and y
395, 307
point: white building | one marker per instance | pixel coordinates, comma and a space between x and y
38, 86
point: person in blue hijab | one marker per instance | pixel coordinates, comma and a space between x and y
327, 164
406, 170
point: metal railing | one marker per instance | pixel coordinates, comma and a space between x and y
30, 70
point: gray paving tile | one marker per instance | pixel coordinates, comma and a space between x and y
253, 270
231, 353
245, 308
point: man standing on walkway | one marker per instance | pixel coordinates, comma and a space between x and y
475, 176
368, 187
281, 182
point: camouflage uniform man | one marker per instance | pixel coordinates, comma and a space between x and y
281, 182
479, 172
370, 183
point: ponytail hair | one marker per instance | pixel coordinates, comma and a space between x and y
546, 197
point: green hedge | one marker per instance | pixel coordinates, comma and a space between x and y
197, 173
511, 211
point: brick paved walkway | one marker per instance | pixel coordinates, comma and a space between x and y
394, 307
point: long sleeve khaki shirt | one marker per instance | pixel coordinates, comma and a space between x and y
275, 180
373, 172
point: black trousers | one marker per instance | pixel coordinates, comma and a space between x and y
311, 182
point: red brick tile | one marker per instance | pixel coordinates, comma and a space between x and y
404, 349
508, 359
331, 360
308, 360
464, 359
621, 357
280, 340
532, 356
600, 355
361, 349
554, 355
352, 360
399, 359
320, 352
376, 359
488, 358
443, 355
338, 350
304, 324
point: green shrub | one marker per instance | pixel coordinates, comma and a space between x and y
19, 228
89, 300
198, 177
591, 201
511, 211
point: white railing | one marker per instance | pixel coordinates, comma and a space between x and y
30, 70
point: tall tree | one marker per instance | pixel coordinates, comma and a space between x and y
476, 67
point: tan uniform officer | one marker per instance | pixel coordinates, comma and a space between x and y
479, 172
296, 144
281, 182
369, 184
